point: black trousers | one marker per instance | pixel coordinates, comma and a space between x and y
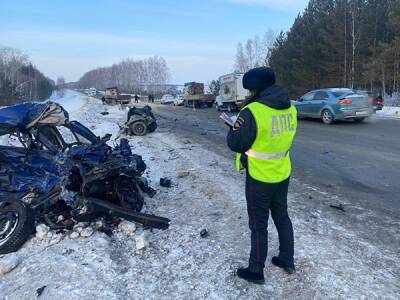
261, 198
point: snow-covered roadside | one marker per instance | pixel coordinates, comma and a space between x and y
332, 262
389, 112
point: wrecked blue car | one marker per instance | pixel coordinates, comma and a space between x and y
45, 176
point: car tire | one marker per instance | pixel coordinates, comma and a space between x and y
138, 128
17, 222
359, 120
327, 117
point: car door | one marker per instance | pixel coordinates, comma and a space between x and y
317, 103
304, 103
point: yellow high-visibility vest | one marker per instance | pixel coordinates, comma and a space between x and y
269, 157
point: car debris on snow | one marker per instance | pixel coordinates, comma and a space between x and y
40, 291
204, 233
165, 182
338, 207
49, 177
140, 121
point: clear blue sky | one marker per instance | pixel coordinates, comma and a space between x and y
197, 38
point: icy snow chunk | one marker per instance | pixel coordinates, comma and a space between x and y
42, 231
79, 227
142, 242
74, 235
87, 232
9, 263
127, 227
56, 238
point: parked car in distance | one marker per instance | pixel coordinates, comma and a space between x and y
334, 104
179, 100
167, 99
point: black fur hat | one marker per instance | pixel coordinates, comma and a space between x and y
259, 79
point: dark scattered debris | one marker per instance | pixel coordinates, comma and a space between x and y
310, 197
165, 182
204, 233
68, 251
203, 133
105, 113
338, 207
40, 291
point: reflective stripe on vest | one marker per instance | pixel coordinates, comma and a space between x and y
268, 160
266, 156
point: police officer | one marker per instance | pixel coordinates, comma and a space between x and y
262, 137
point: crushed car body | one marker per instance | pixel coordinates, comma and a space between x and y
140, 121
90, 176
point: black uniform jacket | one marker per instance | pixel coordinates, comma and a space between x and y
242, 136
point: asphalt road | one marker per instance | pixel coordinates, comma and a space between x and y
358, 163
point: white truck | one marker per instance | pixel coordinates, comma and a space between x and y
92, 92
231, 92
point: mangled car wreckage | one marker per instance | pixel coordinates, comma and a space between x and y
88, 176
141, 120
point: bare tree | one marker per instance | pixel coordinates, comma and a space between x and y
255, 53
133, 76
19, 79
250, 53
241, 64
268, 41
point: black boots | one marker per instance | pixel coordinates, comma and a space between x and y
277, 262
246, 274
258, 278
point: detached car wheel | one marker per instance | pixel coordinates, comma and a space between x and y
138, 128
327, 117
16, 225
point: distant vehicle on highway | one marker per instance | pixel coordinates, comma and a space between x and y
113, 96
92, 92
195, 97
179, 100
334, 104
232, 94
167, 99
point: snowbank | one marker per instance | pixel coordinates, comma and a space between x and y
389, 112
